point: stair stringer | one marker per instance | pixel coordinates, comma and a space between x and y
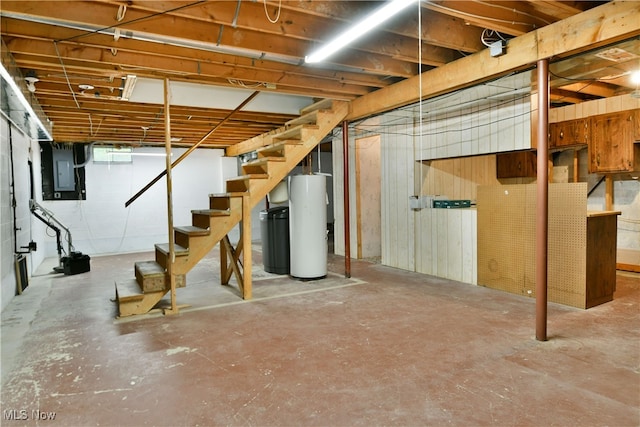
220, 226
326, 122
200, 246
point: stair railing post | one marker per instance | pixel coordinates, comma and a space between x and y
172, 248
246, 247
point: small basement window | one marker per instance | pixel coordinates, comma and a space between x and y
111, 154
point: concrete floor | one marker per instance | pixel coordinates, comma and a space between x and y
387, 347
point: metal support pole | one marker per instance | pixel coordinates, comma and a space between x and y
347, 233
542, 200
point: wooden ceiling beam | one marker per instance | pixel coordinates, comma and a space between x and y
492, 16
292, 24
32, 30
102, 15
126, 62
602, 25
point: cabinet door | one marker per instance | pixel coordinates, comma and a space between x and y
520, 164
611, 148
569, 133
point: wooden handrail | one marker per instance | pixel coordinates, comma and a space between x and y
190, 150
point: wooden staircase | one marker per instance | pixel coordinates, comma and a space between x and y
278, 152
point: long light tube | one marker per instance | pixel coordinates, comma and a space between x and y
14, 86
367, 24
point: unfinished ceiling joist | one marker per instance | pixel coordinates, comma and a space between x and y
602, 25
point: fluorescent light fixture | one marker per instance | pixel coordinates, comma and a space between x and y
16, 89
129, 84
367, 24
635, 77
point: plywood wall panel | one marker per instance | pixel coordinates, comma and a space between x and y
458, 178
501, 238
506, 240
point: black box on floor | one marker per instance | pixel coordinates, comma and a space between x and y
76, 263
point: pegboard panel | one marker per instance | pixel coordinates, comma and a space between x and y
568, 248
507, 233
502, 248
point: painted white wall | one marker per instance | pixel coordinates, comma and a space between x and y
102, 225
24, 149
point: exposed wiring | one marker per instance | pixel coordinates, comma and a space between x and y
505, 21
592, 80
73, 94
142, 18
273, 21
122, 11
497, 5
490, 36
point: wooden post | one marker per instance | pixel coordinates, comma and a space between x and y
172, 249
576, 166
542, 201
608, 192
246, 247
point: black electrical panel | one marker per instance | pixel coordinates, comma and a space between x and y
62, 176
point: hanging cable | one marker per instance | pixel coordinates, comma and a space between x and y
142, 18
471, 15
73, 94
273, 21
122, 10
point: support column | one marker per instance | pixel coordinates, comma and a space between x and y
608, 192
542, 200
172, 248
347, 231
246, 248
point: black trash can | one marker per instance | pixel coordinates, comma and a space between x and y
274, 233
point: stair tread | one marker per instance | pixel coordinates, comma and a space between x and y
179, 250
272, 147
255, 162
128, 290
150, 268
310, 117
239, 178
193, 230
211, 212
230, 194
272, 156
322, 104
293, 132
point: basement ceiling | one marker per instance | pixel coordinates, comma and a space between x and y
83, 53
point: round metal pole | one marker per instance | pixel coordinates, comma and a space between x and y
542, 200
347, 233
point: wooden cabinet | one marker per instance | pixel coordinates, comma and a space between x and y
612, 147
601, 257
517, 164
569, 133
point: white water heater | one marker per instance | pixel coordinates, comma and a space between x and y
308, 226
